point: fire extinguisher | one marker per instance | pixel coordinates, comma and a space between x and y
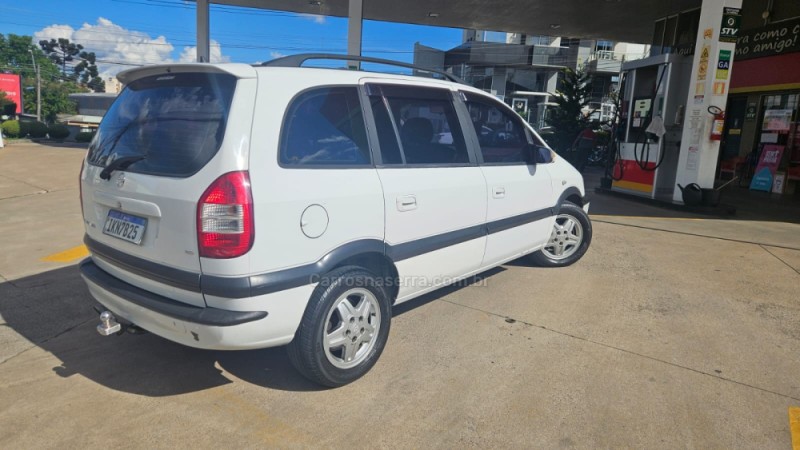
718, 124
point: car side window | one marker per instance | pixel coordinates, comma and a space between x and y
325, 127
501, 135
425, 123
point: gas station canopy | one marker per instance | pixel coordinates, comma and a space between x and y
616, 20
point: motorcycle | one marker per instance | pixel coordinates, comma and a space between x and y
597, 156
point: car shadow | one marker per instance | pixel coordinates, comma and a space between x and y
54, 311
423, 300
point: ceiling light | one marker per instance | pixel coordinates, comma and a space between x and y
433, 15
555, 26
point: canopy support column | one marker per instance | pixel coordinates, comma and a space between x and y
354, 23
203, 38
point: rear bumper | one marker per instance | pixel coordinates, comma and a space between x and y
208, 328
162, 305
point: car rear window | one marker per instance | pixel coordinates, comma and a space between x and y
175, 121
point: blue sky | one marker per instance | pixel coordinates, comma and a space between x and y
131, 32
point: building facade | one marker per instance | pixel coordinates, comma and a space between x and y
524, 70
763, 111
763, 106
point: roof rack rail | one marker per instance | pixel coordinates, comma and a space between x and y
298, 60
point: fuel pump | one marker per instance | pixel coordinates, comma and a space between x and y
653, 92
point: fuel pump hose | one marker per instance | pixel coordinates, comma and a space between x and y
642, 156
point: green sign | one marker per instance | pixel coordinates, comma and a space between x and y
731, 24
723, 64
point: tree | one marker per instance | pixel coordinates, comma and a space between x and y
84, 69
61, 52
87, 71
572, 96
55, 99
15, 56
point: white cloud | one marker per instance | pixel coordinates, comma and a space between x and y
189, 54
112, 43
275, 55
316, 18
53, 32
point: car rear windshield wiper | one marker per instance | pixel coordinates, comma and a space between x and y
119, 164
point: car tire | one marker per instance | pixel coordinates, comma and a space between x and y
344, 328
569, 239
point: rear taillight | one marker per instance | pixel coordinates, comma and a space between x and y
225, 217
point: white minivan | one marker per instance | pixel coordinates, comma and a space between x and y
229, 206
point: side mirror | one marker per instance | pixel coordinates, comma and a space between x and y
536, 154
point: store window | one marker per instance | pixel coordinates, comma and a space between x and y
780, 131
657, 46
670, 31
675, 33
686, 34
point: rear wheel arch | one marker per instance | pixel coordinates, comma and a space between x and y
378, 264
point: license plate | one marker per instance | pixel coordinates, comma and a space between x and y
125, 226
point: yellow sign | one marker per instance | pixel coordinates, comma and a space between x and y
702, 68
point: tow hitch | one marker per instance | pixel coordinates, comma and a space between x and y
109, 325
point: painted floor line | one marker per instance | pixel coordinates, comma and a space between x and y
612, 216
779, 258
794, 427
685, 233
68, 255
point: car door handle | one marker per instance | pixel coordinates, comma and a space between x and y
406, 203
499, 192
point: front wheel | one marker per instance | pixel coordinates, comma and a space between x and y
569, 238
344, 329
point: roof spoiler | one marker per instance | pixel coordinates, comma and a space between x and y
237, 70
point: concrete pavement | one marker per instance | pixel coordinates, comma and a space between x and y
670, 334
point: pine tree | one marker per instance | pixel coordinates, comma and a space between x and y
573, 95
61, 52
87, 72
